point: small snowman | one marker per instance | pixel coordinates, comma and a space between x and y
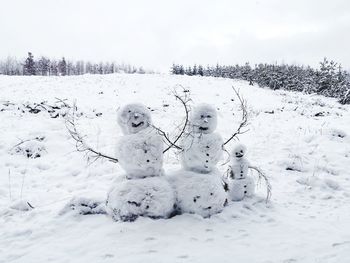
143, 190
198, 186
239, 183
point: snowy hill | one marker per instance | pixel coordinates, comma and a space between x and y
302, 142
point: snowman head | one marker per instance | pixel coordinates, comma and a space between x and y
204, 118
239, 151
134, 117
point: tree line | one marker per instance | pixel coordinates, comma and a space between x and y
329, 79
45, 66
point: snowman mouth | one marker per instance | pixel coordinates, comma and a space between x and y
135, 125
239, 155
203, 128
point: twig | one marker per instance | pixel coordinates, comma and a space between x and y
166, 137
184, 101
81, 145
267, 182
63, 102
244, 120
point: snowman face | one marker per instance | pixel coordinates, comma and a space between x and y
239, 151
134, 118
204, 119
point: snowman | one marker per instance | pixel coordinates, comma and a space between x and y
198, 186
143, 190
239, 183
202, 148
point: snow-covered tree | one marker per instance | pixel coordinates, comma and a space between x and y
29, 67
43, 66
62, 67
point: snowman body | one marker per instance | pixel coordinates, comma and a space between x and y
202, 152
141, 154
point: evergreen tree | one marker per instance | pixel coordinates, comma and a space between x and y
181, 70
174, 69
326, 80
200, 70
62, 67
29, 65
194, 71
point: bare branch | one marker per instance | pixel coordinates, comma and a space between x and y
244, 120
166, 137
80, 144
63, 101
185, 99
267, 182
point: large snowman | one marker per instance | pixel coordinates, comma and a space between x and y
143, 190
198, 186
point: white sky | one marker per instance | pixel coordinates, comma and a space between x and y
156, 33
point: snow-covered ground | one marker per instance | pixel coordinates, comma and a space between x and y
302, 142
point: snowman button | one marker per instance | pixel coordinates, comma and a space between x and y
207, 154
206, 161
245, 192
245, 186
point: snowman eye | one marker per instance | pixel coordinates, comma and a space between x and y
241, 151
202, 116
209, 116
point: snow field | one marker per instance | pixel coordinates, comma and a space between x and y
300, 141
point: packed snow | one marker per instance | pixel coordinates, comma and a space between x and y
52, 197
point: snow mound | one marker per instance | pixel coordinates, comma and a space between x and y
149, 197
315, 181
201, 194
21, 205
84, 206
32, 148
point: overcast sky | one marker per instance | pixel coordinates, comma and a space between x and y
156, 33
